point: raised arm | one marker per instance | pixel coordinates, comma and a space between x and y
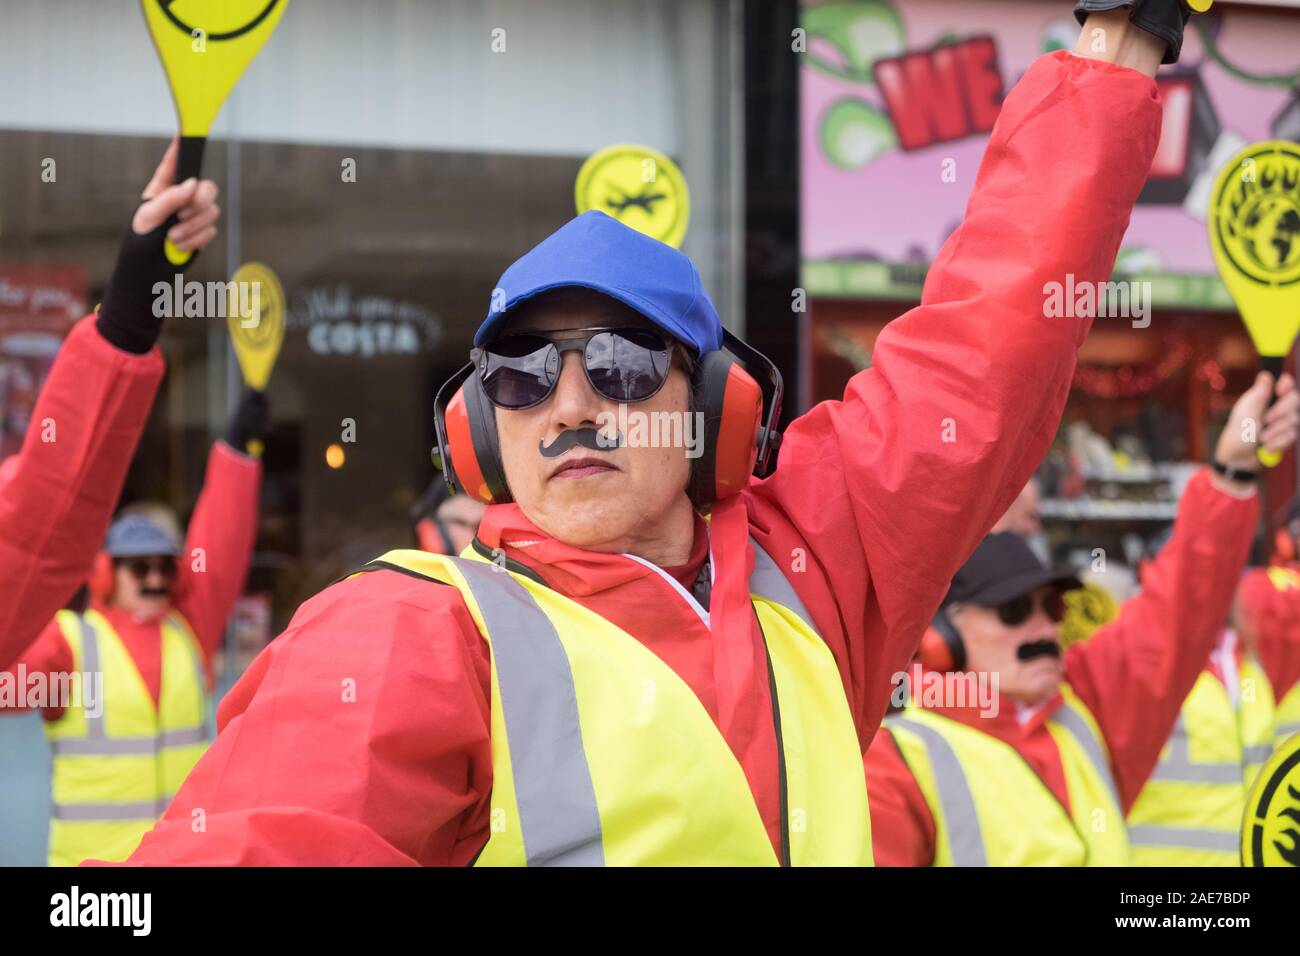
889, 490
58, 493
219, 542
1135, 672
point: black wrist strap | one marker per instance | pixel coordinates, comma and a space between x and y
127, 316
1234, 474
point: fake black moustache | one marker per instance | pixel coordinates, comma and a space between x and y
586, 437
1027, 652
155, 592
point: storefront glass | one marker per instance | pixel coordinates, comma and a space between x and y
387, 161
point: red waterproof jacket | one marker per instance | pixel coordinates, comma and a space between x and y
224, 526
878, 498
56, 497
1133, 674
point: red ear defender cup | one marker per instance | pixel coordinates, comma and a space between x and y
467, 450
730, 403
740, 419
941, 646
101, 583
432, 536
1283, 547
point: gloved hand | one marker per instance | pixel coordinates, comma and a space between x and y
126, 316
1162, 18
250, 423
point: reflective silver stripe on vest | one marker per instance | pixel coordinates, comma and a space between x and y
965, 839
92, 812
128, 746
1176, 765
1286, 730
1258, 753
557, 803
1183, 837
90, 665
1073, 722
769, 583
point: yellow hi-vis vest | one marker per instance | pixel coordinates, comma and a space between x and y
1287, 717
1189, 812
119, 759
991, 809
602, 755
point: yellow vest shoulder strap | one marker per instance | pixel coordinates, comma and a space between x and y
1075, 718
560, 821
965, 839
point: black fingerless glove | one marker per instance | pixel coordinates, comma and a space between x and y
1162, 18
250, 422
126, 316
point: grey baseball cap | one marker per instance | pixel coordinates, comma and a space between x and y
138, 536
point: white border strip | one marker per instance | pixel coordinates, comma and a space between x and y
686, 595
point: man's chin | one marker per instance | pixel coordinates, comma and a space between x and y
1043, 677
148, 609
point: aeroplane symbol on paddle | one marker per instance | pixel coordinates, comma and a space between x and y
643, 201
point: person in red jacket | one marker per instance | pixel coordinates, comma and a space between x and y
58, 493
376, 730
445, 523
1130, 677
1267, 621
157, 617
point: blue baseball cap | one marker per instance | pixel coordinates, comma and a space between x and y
137, 536
598, 252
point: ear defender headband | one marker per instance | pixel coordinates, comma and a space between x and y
740, 415
942, 648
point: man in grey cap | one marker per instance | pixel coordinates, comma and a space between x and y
135, 721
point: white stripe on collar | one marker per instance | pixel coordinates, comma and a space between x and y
686, 595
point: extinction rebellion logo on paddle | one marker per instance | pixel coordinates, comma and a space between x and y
133, 910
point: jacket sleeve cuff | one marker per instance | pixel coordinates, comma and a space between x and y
86, 335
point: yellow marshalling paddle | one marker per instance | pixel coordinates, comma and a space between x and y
257, 330
1254, 228
205, 45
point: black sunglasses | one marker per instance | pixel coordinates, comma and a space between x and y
140, 568
623, 365
1015, 612
754, 361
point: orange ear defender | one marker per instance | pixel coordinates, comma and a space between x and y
1283, 547
740, 416
101, 581
433, 537
941, 647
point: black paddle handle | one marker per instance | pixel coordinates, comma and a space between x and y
1272, 364
189, 163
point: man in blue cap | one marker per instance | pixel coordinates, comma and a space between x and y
647, 655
